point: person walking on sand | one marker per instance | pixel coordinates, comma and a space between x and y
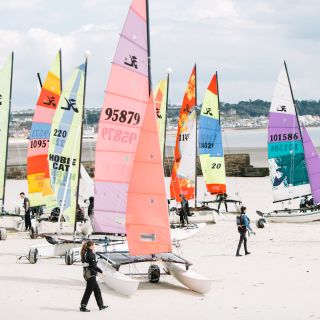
27, 211
243, 224
90, 270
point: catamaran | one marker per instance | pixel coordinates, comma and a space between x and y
130, 197
7, 220
294, 164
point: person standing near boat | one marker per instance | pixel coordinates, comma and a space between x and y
222, 197
185, 209
91, 210
27, 210
243, 224
90, 270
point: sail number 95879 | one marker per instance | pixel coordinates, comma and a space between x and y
122, 116
118, 135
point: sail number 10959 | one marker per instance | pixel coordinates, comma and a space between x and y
283, 137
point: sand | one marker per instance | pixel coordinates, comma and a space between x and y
279, 280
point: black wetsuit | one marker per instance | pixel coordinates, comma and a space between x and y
91, 268
27, 217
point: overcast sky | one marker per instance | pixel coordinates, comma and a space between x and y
245, 40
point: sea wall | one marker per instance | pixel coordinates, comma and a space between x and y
237, 165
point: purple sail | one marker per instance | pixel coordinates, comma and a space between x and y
313, 165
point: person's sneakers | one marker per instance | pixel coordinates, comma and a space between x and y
238, 255
84, 309
103, 307
248, 252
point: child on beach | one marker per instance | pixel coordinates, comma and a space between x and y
243, 227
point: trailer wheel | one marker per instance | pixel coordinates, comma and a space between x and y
261, 223
154, 273
68, 258
33, 255
3, 234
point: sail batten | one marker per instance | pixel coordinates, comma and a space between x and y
287, 163
210, 141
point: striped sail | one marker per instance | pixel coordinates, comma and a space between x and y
40, 191
287, 165
148, 230
64, 145
183, 171
121, 118
313, 165
5, 104
161, 102
210, 141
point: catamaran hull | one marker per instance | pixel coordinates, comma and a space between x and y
116, 280
15, 223
3, 234
183, 233
291, 217
189, 278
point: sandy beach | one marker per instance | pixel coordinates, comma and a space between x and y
280, 279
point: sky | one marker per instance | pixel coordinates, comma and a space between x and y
246, 41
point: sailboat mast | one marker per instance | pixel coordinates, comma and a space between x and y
60, 59
6, 157
39, 79
81, 134
148, 44
195, 182
218, 99
165, 122
294, 102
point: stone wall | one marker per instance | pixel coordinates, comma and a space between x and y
237, 165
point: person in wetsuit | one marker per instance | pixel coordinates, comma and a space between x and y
90, 270
27, 210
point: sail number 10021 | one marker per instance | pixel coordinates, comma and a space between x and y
283, 137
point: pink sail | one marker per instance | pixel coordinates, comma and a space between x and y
148, 230
125, 102
313, 165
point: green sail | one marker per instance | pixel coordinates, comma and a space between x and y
65, 143
5, 102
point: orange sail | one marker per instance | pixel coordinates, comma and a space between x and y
183, 170
147, 208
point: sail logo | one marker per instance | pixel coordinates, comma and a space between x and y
159, 116
132, 61
71, 104
51, 101
208, 111
61, 163
282, 109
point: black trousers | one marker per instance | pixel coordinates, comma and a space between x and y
92, 285
243, 238
225, 204
27, 220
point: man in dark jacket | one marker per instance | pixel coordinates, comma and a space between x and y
27, 211
243, 227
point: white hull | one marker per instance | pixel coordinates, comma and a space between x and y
179, 234
189, 278
116, 280
48, 227
294, 217
12, 223
53, 250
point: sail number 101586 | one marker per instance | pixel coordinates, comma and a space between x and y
284, 137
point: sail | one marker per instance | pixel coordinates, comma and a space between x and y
287, 166
40, 191
183, 171
5, 103
125, 103
86, 187
160, 100
64, 145
313, 165
210, 141
147, 223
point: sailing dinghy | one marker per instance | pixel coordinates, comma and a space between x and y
7, 220
64, 155
130, 197
294, 164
